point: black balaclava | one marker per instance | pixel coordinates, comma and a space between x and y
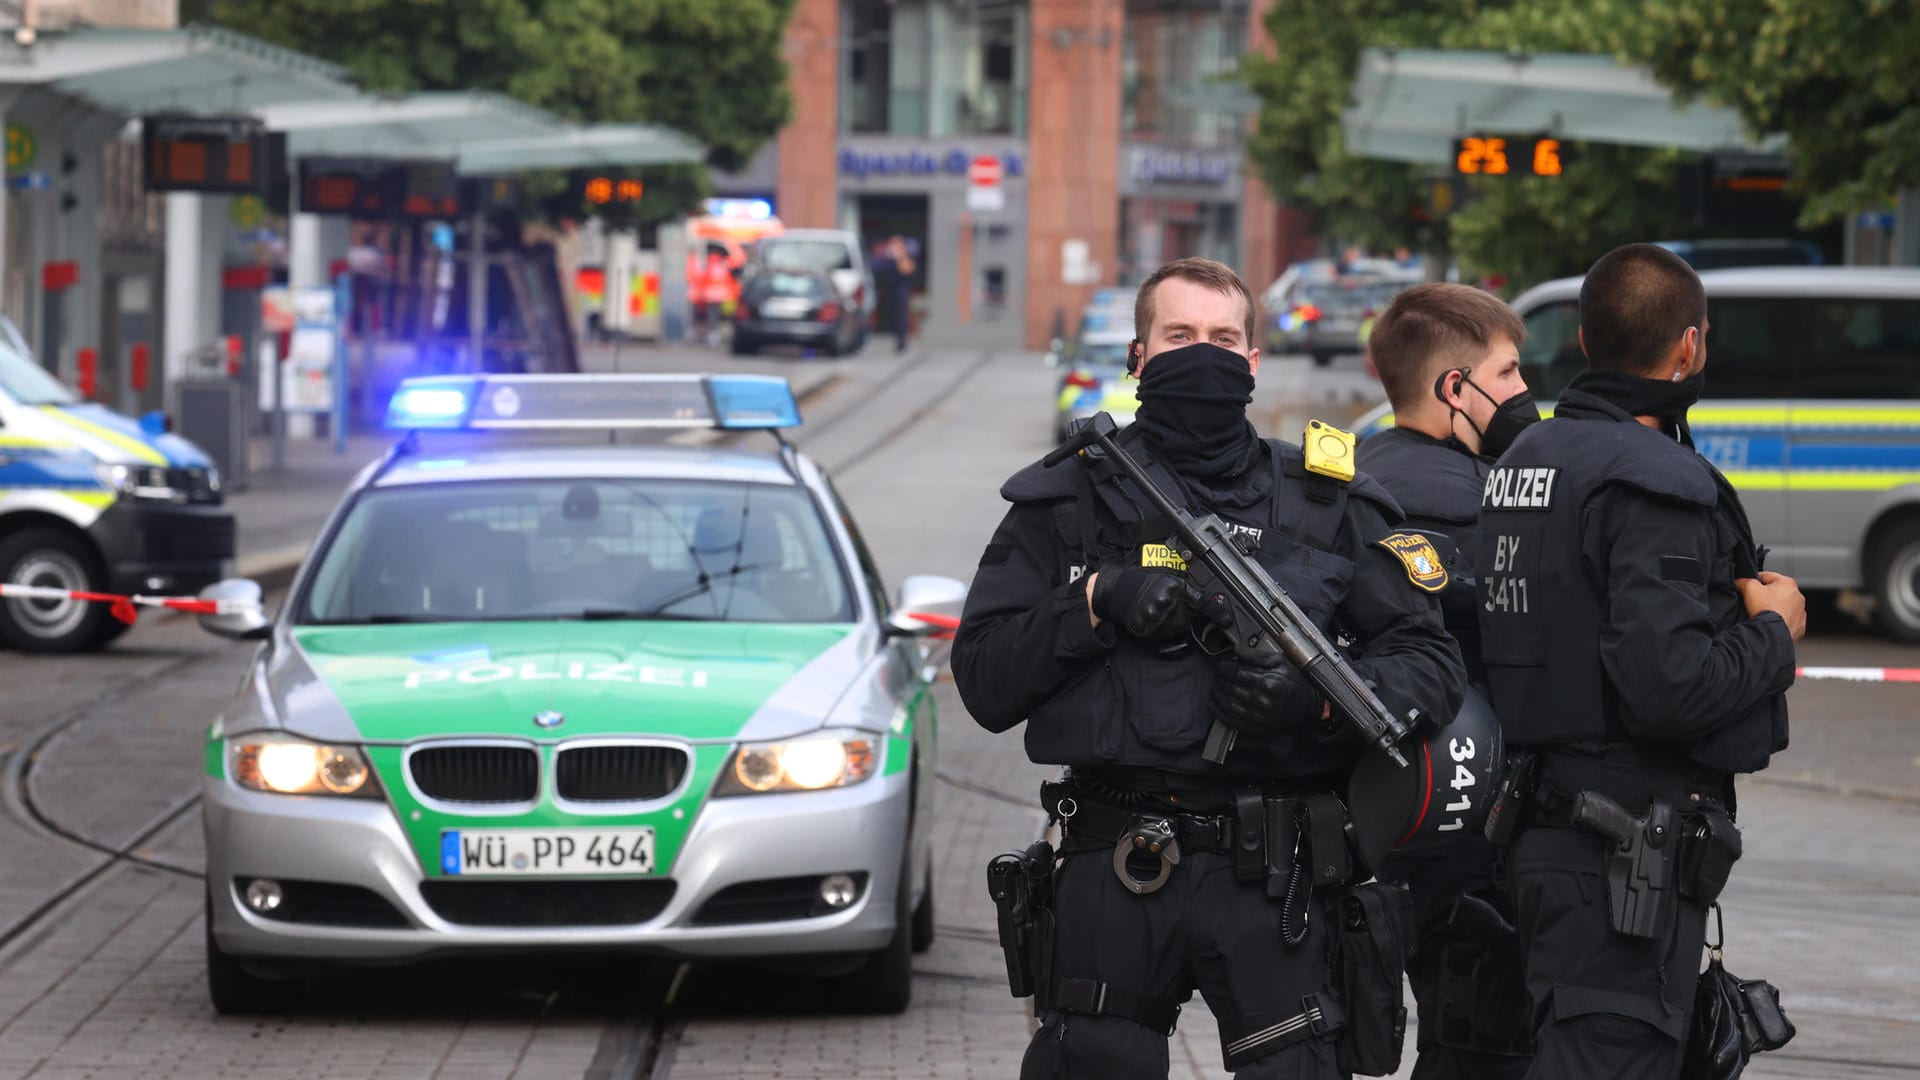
1193, 409
1510, 417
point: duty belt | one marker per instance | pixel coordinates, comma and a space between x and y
1084, 818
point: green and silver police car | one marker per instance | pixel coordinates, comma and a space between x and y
529, 694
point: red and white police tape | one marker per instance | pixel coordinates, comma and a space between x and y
127, 608
1862, 674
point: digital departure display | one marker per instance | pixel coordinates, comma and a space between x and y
1497, 155
232, 155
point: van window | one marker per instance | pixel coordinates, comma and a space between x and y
1551, 356
1861, 349
28, 383
1750, 346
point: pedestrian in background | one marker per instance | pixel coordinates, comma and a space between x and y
1639, 649
894, 278
1449, 358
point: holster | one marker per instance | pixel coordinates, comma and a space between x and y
1642, 893
1021, 885
1375, 922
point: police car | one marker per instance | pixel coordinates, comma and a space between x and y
529, 695
93, 501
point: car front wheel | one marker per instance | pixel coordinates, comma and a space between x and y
235, 991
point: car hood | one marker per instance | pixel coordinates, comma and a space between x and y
697, 681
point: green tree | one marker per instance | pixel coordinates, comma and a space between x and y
709, 68
1524, 229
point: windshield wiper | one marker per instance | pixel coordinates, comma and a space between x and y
634, 615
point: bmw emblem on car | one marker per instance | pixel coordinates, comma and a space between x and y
548, 719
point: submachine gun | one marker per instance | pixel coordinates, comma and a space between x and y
1263, 622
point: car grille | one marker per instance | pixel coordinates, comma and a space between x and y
618, 773
476, 774
191, 539
326, 903
547, 903
770, 900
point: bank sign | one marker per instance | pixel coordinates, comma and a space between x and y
926, 163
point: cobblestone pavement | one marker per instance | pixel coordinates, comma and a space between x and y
109, 983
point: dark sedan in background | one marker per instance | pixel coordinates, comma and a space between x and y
794, 307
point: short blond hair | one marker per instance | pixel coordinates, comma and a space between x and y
1430, 328
1217, 276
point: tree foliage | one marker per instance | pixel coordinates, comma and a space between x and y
1515, 227
709, 68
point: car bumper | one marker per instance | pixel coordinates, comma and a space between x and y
799, 330
158, 547
358, 842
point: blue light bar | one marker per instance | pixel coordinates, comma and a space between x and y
440, 402
559, 402
744, 402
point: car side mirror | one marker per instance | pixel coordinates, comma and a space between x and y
237, 610
927, 605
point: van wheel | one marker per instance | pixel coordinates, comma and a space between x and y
1895, 570
58, 560
923, 914
1322, 358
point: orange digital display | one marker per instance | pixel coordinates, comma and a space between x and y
227, 155
605, 190
379, 188
1497, 155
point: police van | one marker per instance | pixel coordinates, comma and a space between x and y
93, 501
1812, 410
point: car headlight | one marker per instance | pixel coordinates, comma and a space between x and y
809, 763
139, 481
295, 767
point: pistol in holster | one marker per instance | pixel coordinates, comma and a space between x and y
1021, 885
1641, 884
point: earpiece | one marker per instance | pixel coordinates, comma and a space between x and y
1133, 357
1440, 384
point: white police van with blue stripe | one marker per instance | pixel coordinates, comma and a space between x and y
93, 501
1812, 410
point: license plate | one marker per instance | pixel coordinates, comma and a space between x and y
786, 309
477, 852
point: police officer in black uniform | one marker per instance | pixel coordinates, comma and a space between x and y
1448, 356
1080, 621
1636, 644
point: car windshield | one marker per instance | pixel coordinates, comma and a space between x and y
805, 255
784, 283
27, 382
579, 549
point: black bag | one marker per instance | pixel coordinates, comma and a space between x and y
1733, 1018
1374, 922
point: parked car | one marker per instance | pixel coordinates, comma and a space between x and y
798, 308
1812, 412
1094, 379
1323, 318
835, 251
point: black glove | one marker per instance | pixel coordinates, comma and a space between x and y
1150, 604
1265, 701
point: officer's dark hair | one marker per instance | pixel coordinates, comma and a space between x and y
1635, 304
1430, 328
1217, 276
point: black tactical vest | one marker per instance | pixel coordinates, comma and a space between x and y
1146, 708
1438, 487
1540, 609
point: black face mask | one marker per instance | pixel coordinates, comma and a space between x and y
1510, 417
1193, 408
1664, 400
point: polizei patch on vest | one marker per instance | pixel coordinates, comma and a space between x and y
1520, 487
1162, 557
1416, 552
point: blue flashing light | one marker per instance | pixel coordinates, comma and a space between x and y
430, 403
753, 401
